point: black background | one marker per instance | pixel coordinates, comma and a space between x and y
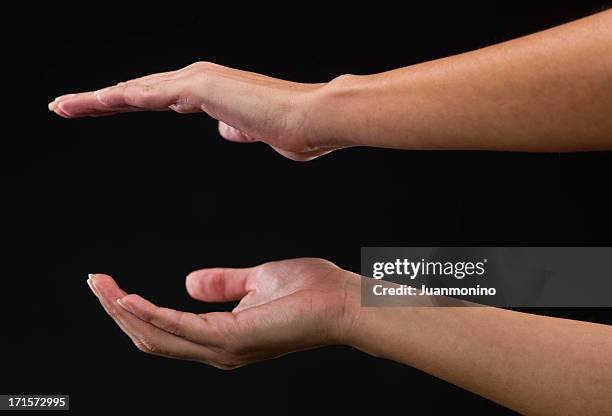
149, 197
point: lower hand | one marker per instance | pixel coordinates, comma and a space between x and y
284, 306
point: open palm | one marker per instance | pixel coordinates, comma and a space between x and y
284, 306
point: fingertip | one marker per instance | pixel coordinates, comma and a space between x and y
218, 284
198, 284
58, 105
64, 109
192, 283
100, 276
90, 283
104, 284
91, 277
53, 105
59, 112
138, 306
128, 302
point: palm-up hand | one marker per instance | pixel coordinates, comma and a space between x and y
284, 306
250, 107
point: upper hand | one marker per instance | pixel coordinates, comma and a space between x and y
250, 107
284, 306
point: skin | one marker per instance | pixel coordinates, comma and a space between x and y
550, 91
556, 367
277, 313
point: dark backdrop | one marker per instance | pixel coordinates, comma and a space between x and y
149, 197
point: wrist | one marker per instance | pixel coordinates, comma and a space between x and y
362, 326
331, 110
347, 326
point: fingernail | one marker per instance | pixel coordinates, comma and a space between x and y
121, 303
100, 97
91, 285
90, 275
51, 106
101, 91
60, 107
61, 97
100, 94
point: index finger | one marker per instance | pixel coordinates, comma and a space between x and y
85, 104
211, 329
82, 105
145, 336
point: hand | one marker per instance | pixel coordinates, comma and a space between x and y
250, 107
284, 306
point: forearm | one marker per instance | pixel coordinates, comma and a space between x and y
551, 91
529, 363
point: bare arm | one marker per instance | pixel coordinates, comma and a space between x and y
532, 364
550, 91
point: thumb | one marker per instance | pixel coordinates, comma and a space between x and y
234, 135
219, 284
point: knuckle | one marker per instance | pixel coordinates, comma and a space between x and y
147, 90
227, 364
231, 336
217, 282
174, 326
171, 328
190, 66
237, 345
199, 66
141, 345
140, 95
147, 346
205, 73
229, 341
204, 65
221, 367
113, 313
234, 348
344, 79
